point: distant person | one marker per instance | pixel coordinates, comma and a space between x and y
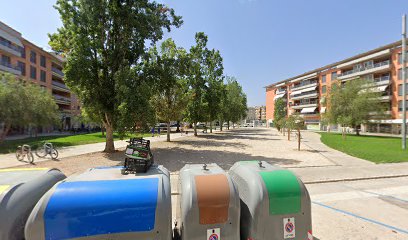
158, 131
152, 131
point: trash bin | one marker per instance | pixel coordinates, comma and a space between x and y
101, 203
275, 203
20, 190
209, 204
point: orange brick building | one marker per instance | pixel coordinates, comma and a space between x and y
33, 64
306, 93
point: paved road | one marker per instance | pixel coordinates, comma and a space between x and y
9, 160
351, 198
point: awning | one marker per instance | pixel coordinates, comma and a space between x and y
279, 96
11, 38
322, 109
375, 89
296, 92
308, 110
380, 89
309, 89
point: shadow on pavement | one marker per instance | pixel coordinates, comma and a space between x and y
175, 158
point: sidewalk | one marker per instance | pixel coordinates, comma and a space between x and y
9, 160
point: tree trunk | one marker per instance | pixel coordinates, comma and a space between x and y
178, 126
283, 131
168, 132
103, 130
221, 125
228, 125
298, 139
288, 134
6, 129
110, 145
195, 129
343, 133
211, 127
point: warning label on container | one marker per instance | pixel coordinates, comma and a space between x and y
214, 234
289, 229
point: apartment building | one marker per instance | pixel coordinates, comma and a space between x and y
306, 93
34, 65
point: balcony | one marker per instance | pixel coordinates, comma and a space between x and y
57, 72
384, 80
60, 86
305, 105
61, 99
7, 67
305, 95
304, 85
10, 48
386, 98
365, 70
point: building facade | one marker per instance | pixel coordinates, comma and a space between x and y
306, 94
33, 64
256, 113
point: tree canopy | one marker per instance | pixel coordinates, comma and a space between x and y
354, 103
24, 104
105, 42
279, 113
170, 91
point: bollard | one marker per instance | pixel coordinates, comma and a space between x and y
20, 190
275, 204
209, 203
101, 203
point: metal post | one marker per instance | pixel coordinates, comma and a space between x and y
404, 87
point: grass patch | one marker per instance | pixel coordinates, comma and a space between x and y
374, 149
9, 146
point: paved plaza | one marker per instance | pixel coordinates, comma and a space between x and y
351, 198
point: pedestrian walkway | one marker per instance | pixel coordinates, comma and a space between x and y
9, 160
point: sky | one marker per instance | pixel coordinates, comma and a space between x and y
261, 41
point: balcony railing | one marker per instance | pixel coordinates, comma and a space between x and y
377, 65
8, 67
7, 44
61, 85
305, 103
62, 98
304, 84
312, 93
57, 71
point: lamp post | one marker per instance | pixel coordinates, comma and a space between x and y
404, 87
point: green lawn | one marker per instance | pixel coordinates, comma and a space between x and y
61, 141
375, 149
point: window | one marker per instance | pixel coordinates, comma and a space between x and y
400, 89
400, 105
5, 59
42, 61
43, 76
33, 72
323, 89
400, 57
22, 50
400, 73
33, 57
324, 79
21, 66
333, 76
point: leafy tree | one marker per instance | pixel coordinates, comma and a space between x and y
214, 79
353, 104
24, 105
170, 95
279, 113
236, 104
197, 106
105, 42
295, 122
223, 110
